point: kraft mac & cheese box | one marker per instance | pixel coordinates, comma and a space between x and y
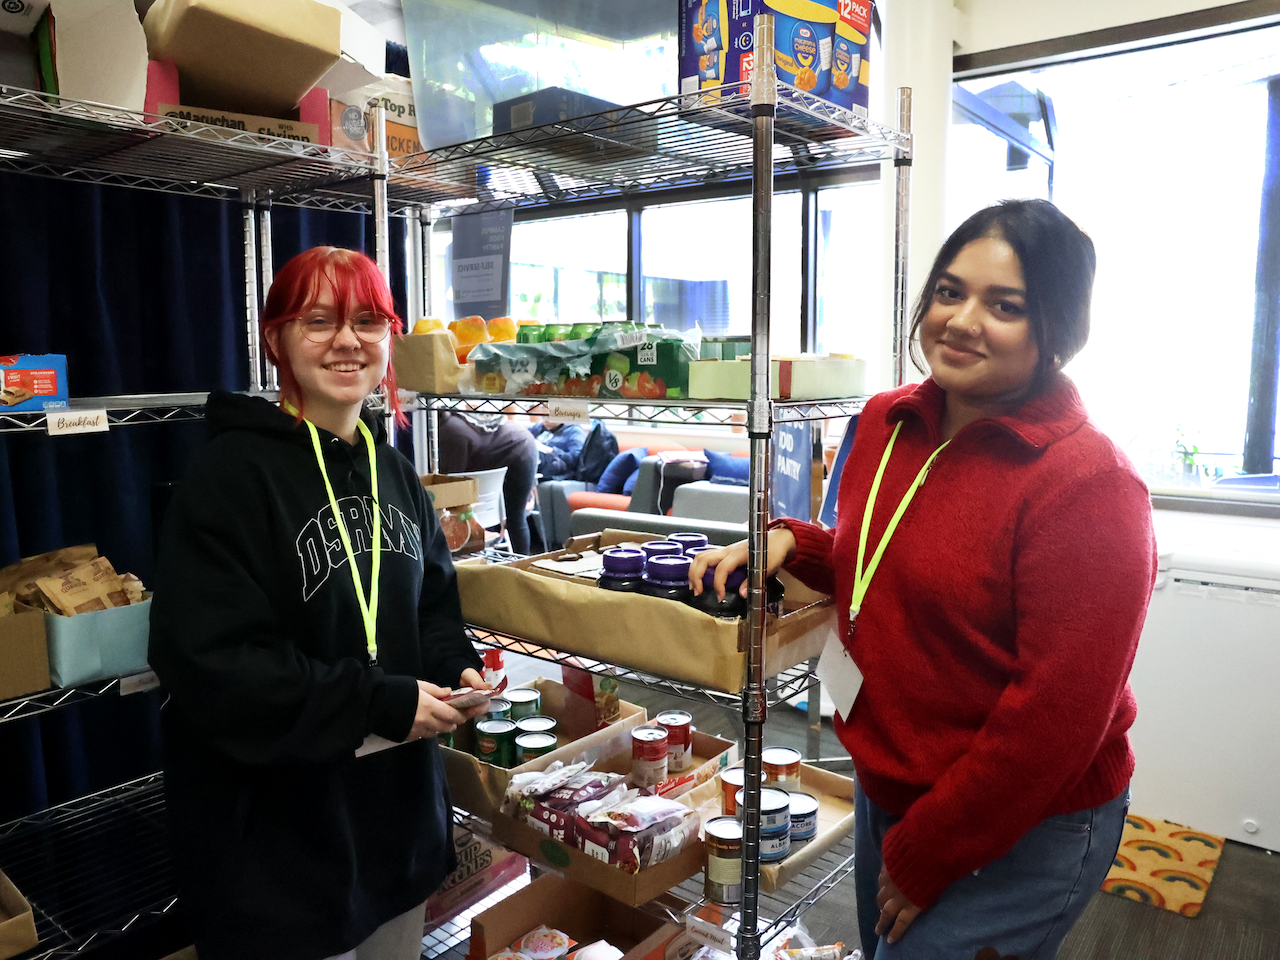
29, 381
821, 47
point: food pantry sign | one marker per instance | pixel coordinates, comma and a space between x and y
481, 267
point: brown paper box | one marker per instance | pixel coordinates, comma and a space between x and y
483, 867
17, 922
243, 122
646, 633
426, 362
447, 491
578, 911
479, 787
834, 794
24, 654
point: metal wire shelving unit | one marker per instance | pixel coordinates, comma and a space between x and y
94, 868
34, 704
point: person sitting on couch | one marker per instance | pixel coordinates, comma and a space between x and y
559, 448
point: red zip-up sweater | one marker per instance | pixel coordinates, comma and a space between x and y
997, 635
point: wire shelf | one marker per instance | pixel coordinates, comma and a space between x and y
48, 136
785, 685
696, 138
121, 411
92, 869
672, 412
34, 704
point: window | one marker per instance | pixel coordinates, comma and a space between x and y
1172, 203
853, 315
570, 269
698, 268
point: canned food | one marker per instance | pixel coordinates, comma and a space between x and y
530, 745
804, 816
775, 809
679, 727
648, 755
499, 709
580, 331
444, 738
776, 845
731, 781
493, 666
529, 331
781, 767
537, 724
556, 331
525, 702
495, 742
724, 860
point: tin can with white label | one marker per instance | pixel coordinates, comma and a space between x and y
495, 742
724, 860
679, 727
731, 781
804, 816
781, 766
775, 845
531, 745
648, 756
775, 809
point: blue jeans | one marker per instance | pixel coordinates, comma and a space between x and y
1021, 905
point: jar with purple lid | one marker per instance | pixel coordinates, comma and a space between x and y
694, 551
733, 605
666, 577
623, 570
661, 548
689, 540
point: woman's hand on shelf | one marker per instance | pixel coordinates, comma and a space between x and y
781, 544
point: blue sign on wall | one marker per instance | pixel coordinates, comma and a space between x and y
791, 472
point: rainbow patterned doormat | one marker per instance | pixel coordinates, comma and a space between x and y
1164, 864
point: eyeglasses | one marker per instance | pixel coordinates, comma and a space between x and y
323, 327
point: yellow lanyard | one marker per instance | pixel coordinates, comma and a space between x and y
862, 576
368, 608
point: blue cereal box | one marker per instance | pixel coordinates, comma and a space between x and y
821, 47
29, 381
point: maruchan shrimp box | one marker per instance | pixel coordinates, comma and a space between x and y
29, 381
820, 46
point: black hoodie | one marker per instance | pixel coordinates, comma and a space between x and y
287, 846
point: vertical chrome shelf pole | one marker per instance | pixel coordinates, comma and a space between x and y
266, 270
251, 289
901, 239
764, 105
381, 213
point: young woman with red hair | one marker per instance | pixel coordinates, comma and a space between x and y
306, 623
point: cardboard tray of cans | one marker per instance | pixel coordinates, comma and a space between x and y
710, 755
479, 787
834, 794
649, 634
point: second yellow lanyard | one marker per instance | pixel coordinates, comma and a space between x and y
863, 572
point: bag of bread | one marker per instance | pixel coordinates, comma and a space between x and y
89, 587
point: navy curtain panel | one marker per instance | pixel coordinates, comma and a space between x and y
144, 293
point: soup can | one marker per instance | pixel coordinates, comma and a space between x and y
775, 845
525, 702
731, 781
494, 670
648, 755
724, 860
781, 767
804, 816
537, 724
444, 738
499, 709
775, 809
530, 745
679, 727
495, 742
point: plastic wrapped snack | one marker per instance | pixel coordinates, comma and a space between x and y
543, 943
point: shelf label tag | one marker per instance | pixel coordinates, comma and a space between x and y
61, 423
708, 934
569, 411
139, 682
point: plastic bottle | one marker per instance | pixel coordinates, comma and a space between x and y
623, 570
666, 577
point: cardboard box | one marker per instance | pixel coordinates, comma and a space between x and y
363, 56
24, 658
716, 46
584, 914
243, 122
483, 868
93, 50
93, 646
834, 794
17, 922
244, 55
821, 378
728, 379
655, 636
29, 381
426, 362
447, 491
479, 787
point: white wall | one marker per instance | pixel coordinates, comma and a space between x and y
992, 24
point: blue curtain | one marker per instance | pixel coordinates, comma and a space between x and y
143, 292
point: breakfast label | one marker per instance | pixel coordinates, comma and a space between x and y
61, 423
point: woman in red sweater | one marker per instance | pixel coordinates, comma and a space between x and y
994, 619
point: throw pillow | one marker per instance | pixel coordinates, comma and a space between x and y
723, 468
620, 468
